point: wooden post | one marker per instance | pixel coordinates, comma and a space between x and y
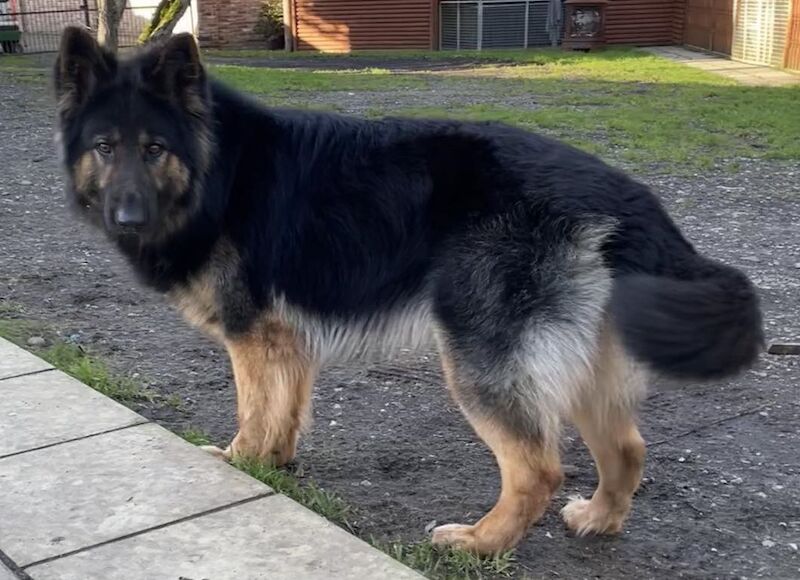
288, 25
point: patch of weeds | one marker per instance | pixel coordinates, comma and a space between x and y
18, 330
10, 308
71, 359
174, 401
436, 563
327, 504
74, 361
447, 563
195, 436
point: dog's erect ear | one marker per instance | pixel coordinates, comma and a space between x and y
81, 65
178, 73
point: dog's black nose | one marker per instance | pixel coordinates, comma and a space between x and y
130, 215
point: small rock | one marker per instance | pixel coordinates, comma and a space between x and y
25, 182
569, 470
793, 546
430, 525
366, 483
36, 341
548, 535
767, 543
333, 423
681, 459
761, 494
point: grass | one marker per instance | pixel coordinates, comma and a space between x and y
446, 564
267, 81
24, 68
73, 359
627, 105
325, 503
195, 436
435, 563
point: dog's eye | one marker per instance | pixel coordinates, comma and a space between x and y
154, 150
104, 148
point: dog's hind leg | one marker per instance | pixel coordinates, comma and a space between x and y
605, 419
519, 305
274, 377
530, 473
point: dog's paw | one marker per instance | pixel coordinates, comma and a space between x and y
224, 454
455, 536
584, 517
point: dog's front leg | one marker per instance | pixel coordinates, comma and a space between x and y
274, 375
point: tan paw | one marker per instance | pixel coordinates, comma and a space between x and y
224, 454
276, 454
584, 517
455, 535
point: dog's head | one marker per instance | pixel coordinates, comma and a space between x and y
135, 134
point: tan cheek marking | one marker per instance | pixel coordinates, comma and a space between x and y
105, 175
84, 172
177, 173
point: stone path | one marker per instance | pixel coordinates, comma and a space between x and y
747, 74
91, 490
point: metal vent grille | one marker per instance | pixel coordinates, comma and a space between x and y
478, 24
503, 25
537, 25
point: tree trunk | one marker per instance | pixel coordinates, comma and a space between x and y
109, 15
165, 18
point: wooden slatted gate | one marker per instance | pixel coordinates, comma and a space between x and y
708, 25
760, 32
792, 57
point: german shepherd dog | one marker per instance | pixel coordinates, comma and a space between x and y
551, 283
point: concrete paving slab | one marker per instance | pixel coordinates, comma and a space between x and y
6, 574
15, 361
271, 538
77, 494
744, 73
51, 407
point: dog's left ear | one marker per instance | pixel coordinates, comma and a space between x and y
178, 73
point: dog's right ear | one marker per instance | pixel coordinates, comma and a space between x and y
81, 65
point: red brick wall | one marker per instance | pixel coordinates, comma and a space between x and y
229, 24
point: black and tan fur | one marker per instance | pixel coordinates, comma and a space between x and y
551, 283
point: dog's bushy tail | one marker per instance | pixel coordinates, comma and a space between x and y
704, 324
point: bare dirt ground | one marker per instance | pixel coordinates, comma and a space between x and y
721, 497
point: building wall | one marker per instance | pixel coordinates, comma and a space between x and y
641, 22
343, 25
229, 24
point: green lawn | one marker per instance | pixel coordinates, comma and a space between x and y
624, 104
627, 105
273, 81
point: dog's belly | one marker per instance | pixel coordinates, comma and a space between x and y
375, 336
